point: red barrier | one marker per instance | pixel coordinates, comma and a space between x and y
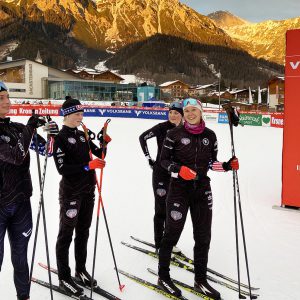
277, 120
26, 110
291, 145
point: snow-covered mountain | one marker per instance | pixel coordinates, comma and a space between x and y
226, 19
111, 24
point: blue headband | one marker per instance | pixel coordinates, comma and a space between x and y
72, 110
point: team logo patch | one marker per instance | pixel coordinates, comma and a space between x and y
71, 213
71, 140
161, 192
60, 160
58, 150
82, 139
205, 141
176, 215
185, 141
5, 138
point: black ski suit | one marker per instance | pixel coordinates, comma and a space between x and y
15, 193
160, 177
195, 151
76, 196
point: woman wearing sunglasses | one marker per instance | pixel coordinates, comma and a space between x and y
160, 177
189, 151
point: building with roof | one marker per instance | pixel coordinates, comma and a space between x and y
28, 79
174, 89
276, 91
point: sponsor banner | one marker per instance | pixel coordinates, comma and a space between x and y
292, 59
251, 119
277, 120
128, 113
210, 117
110, 112
26, 110
266, 120
151, 114
291, 146
223, 119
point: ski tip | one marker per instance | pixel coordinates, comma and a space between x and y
121, 287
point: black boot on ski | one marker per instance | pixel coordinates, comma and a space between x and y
169, 287
71, 287
84, 278
23, 297
204, 288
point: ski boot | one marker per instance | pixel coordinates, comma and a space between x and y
71, 287
204, 288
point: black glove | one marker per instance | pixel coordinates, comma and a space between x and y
232, 164
100, 137
36, 121
233, 114
51, 128
150, 161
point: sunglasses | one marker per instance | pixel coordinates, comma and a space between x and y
190, 101
175, 105
3, 87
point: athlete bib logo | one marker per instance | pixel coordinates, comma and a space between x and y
161, 192
82, 139
185, 141
176, 215
5, 138
71, 140
205, 142
71, 213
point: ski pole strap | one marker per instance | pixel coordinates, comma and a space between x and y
104, 143
89, 134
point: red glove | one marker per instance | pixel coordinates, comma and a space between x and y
96, 163
107, 138
234, 163
187, 173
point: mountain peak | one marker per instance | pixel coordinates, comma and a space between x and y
226, 19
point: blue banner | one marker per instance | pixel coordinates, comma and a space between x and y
127, 113
223, 118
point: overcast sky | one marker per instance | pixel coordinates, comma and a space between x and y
251, 10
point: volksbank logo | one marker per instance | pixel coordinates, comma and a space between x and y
102, 111
150, 113
295, 65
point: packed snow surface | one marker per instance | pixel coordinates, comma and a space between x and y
272, 236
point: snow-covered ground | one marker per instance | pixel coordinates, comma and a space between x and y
273, 238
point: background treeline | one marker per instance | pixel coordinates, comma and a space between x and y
164, 58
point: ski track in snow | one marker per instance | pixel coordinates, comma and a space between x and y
272, 236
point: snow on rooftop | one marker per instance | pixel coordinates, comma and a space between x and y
168, 83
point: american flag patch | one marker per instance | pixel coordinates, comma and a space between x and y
217, 166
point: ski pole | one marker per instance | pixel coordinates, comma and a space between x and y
100, 203
234, 120
41, 208
235, 218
